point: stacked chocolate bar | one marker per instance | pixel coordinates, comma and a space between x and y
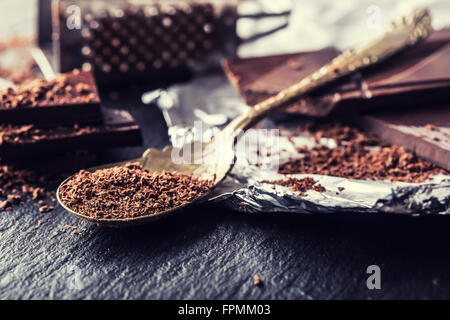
404, 100
60, 116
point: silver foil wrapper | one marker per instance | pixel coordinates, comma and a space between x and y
213, 101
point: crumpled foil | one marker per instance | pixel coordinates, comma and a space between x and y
246, 188
214, 101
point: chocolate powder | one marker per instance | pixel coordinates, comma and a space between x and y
129, 191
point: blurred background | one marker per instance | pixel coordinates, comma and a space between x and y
113, 45
312, 24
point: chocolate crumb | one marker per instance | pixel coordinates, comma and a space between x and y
5, 205
42, 92
38, 224
45, 209
11, 134
294, 64
257, 281
432, 127
14, 199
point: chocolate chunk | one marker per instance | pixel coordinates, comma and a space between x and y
147, 39
5, 205
424, 131
415, 76
45, 209
18, 185
69, 98
19, 141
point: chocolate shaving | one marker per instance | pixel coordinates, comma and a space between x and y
19, 134
19, 77
299, 185
129, 191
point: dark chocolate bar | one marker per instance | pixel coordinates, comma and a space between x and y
119, 129
424, 131
68, 99
418, 75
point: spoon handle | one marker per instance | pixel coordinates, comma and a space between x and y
403, 33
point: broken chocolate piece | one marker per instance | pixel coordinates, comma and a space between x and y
415, 76
260, 78
68, 99
119, 129
425, 131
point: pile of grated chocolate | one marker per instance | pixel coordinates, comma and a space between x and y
16, 185
129, 191
358, 156
299, 185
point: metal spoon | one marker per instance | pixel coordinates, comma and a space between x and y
216, 158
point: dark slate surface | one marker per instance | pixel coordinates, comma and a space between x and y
212, 253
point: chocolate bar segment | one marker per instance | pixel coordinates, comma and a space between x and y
68, 99
418, 75
119, 129
424, 131
260, 78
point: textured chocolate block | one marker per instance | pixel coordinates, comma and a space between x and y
424, 131
68, 99
415, 76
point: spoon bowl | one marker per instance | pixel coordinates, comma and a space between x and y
172, 160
